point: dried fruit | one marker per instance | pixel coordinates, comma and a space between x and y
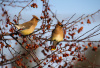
81, 22
88, 21
80, 29
94, 48
90, 44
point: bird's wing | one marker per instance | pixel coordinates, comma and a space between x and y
51, 36
29, 24
24, 26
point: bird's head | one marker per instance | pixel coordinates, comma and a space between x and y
35, 18
59, 25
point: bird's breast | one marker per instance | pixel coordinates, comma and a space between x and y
58, 37
27, 31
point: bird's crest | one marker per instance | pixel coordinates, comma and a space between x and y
59, 23
35, 17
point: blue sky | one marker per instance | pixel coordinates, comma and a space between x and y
75, 6
62, 8
66, 8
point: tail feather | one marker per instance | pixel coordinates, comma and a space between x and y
17, 27
50, 39
55, 44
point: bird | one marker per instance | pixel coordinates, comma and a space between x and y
57, 35
27, 27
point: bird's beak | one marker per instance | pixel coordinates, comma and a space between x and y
61, 25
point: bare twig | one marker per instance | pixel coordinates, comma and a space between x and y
22, 10
33, 55
75, 22
88, 31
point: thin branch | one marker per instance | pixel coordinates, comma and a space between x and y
54, 16
22, 10
33, 56
75, 22
71, 18
88, 31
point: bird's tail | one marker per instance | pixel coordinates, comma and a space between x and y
54, 45
17, 26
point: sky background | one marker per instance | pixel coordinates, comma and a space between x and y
62, 8
76, 6
66, 7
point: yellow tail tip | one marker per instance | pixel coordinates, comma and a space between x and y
53, 49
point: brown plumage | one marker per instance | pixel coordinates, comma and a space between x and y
28, 27
57, 34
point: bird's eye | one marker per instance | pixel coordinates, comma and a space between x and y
61, 25
38, 19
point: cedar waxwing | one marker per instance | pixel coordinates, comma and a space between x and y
28, 27
57, 35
